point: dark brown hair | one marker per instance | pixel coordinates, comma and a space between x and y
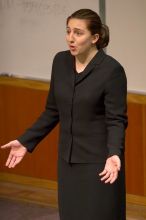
94, 25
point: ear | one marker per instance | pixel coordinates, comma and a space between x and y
95, 38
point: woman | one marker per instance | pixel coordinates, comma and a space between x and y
88, 97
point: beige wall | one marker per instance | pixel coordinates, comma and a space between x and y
126, 20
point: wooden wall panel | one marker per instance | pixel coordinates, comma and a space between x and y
144, 146
19, 108
134, 150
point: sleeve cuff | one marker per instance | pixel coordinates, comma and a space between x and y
115, 151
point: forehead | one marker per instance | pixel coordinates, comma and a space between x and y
77, 23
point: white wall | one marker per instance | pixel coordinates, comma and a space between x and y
126, 20
32, 31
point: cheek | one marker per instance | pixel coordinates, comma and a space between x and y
84, 42
66, 37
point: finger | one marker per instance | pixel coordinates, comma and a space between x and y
9, 159
6, 145
12, 161
110, 178
103, 172
18, 159
106, 176
114, 178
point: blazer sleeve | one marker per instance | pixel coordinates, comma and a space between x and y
45, 123
116, 111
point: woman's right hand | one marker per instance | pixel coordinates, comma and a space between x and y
17, 152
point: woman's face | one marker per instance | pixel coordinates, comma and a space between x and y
79, 38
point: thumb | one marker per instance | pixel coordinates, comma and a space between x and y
118, 163
8, 145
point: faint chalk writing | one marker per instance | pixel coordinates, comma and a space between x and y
6, 4
39, 7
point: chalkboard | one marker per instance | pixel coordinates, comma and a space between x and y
32, 32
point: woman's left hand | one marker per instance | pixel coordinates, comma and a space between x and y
110, 172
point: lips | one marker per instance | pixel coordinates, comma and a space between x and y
72, 47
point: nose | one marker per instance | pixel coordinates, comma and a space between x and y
70, 37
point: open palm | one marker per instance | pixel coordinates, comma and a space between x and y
111, 169
16, 154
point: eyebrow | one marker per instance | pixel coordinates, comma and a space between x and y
78, 29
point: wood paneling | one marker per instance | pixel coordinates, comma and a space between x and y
20, 105
144, 146
134, 150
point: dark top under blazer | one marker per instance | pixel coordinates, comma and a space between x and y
91, 110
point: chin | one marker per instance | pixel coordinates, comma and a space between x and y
74, 53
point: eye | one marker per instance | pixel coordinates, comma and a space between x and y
78, 33
68, 31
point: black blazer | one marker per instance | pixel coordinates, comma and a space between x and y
91, 110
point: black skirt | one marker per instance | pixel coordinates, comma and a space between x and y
83, 196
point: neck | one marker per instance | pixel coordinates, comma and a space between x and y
84, 59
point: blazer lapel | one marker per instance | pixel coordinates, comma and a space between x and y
94, 62
70, 67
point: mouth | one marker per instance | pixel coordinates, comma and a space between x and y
72, 48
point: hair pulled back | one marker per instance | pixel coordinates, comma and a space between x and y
94, 25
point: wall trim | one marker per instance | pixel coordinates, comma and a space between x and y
136, 98
28, 181
24, 83
136, 200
